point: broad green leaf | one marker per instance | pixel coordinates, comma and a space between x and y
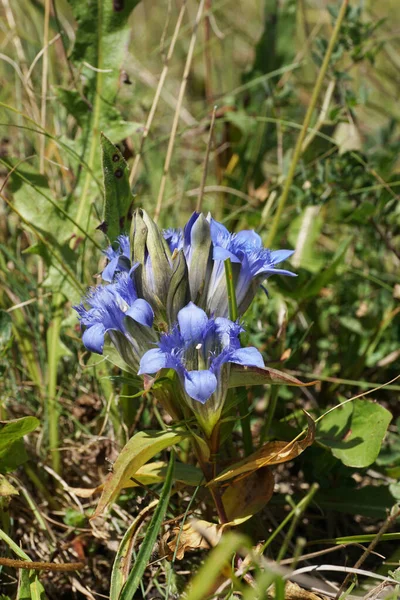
137, 452
118, 196
155, 472
13, 456
355, 431
146, 548
256, 376
34, 200
11, 431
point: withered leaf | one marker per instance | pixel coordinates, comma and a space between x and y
245, 497
195, 534
272, 453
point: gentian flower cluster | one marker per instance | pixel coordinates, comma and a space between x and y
164, 307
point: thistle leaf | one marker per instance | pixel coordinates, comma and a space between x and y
118, 197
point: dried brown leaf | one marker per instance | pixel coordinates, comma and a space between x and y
194, 535
245, 497
272, 453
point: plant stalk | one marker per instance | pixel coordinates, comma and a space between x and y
307, 119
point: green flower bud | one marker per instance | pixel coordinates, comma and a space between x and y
153, 273
199, 258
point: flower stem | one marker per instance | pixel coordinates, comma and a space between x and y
214, 490
209, 468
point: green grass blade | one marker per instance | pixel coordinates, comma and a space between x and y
146, 548
123, 556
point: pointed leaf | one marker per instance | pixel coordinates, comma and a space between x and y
138, 451
155, 472
240, 375
11, 431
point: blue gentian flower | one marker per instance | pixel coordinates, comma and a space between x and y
116, 310
200, 350
205, 245
251, 263
119, 258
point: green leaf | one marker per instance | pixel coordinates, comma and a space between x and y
51, 219
155, 472
147, 545
30, 587
12, 449
15, 430
355, 431
118, 196
137, 452
34, 200
256, 376
14, 456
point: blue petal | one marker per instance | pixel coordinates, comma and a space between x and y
219, 232
188, 228
250, 238
278, 256
141, 312
248, 357
93, 338
192, 322
152, 361
109, 271
271, 271
228, 332
200, 385
125, 245
220, 253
